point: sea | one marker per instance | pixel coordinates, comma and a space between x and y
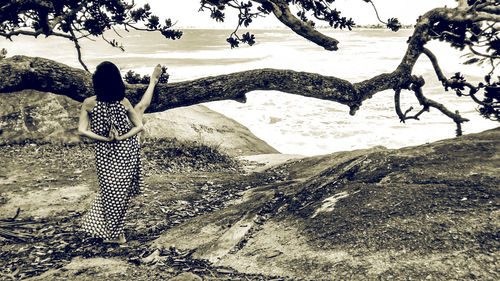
292, 124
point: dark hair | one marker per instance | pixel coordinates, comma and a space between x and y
108, 83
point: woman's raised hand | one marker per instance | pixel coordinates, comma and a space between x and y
156, 73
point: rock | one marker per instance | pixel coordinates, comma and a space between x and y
365, 215
45, 117
186, 276
199, 123
38, 116
152, 258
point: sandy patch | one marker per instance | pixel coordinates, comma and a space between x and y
47, 201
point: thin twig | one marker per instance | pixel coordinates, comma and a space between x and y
376, 12
78, 51
435, 64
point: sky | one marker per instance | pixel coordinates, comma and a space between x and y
186, 15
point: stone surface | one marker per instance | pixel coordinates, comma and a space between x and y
38, 116
206, 126
367, 214
44, 117
186, 276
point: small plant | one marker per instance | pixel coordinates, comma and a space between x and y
179, 155
3, 53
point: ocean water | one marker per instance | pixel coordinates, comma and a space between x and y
290, 123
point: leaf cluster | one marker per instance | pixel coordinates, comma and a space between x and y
321, 10
489, 106
393, 24
457, 34
482, 38
491, 102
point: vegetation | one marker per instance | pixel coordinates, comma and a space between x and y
177, 156
3, 53
132, 77
471, 25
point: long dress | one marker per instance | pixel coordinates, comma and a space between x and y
119, 172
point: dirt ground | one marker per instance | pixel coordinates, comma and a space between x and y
54, 185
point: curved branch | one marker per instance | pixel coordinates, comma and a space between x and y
485, 16
21, 72
376, 12
472, 89
283, 14
491, 10
481, 54
404, 116
435, 64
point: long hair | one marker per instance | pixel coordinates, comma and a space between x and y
108, 83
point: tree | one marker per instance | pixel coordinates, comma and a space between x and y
472, 24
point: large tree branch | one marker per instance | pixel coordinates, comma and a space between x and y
21, 72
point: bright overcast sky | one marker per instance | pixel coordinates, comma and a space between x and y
187, 15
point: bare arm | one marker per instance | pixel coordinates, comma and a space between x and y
135, 118
145, 101
83, 124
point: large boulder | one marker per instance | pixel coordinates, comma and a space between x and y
45, 117
423, 212
38, 116
199, 123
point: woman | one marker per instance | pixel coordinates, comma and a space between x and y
109, 118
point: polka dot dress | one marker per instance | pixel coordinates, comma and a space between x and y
119, 172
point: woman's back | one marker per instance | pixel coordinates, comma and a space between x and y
105, 115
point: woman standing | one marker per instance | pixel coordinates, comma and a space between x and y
109, 118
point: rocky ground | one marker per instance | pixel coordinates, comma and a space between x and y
426, 212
